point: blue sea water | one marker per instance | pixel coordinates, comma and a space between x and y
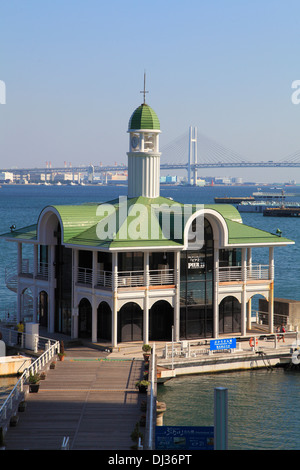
263, 405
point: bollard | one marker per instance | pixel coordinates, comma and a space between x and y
221, 418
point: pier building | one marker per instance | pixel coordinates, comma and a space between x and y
142, 267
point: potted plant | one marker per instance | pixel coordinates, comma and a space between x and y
22, 406
52, 365
136, 435
147, 351
34, 383
43, 375
61, 353
142, 385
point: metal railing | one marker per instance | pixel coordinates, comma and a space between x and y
43, 271
197, 348
27, 266
51, 348
85, 276
104, 278
161, 277
131, 279
236, 273
151, 403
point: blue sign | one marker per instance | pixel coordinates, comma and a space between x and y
222, 343
184, 438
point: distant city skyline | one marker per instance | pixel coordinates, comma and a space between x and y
73, 72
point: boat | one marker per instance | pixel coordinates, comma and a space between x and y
260, 206
283, 211
233, 200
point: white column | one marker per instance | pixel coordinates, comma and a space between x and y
146, 300
35, 304
19, 294
94, 300
94, 272
75, 312
177, 296
35, 260
94, 319
271, 292
216, 291
19, 258
51, 299
114, 328
244, 299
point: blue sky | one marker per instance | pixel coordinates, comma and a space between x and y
74, 69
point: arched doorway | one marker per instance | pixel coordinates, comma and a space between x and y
85, 319
43, 308
229, 315
161, 321
130, 323
104, 321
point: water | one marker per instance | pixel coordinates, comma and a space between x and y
263, 405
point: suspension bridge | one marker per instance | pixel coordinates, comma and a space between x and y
191, 151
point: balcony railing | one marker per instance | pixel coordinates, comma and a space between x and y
104, 279
85, 276
235, 273
161, 277
125, 278
43, 271
131, 279
27, 269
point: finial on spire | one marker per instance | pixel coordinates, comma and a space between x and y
144, 91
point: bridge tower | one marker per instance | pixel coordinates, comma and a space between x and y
192, 157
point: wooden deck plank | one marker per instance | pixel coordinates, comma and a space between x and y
94, 402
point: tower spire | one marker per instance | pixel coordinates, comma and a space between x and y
144, 91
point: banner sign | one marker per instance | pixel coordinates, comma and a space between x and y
222, 343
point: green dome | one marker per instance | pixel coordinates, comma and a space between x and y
144, 118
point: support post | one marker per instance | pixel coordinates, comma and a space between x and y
220, 418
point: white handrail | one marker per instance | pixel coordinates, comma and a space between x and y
152, 403
65, 443
38, 364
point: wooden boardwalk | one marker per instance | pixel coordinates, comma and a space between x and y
90, 399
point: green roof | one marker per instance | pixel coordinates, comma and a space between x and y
242, 234
144, 118
111, 225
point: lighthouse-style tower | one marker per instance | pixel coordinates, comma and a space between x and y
143, 155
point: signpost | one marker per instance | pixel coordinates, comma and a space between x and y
184, 438
222, 343
198, 437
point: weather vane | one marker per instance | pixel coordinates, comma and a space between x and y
144, 91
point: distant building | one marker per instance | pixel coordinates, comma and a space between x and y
6, 176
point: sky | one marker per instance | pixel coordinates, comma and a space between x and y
73, 71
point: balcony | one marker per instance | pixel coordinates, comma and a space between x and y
27, 269
236, 273
125, 278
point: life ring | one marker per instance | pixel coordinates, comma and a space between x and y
253, 342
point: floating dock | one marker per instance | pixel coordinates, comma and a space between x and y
232, 200
282, 212
13, 365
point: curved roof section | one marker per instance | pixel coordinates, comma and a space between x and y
144, 118
227, 211
80, 222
